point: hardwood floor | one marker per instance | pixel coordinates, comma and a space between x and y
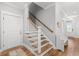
73, 47
22, 51
71, 50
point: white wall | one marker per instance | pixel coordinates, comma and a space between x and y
75, 27
0, 29
8, 8
67, 9
64, 10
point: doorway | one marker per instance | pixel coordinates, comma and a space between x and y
12, 30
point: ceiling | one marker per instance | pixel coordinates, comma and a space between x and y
70, 8
19, 5
45, 5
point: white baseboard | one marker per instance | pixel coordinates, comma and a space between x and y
2, 49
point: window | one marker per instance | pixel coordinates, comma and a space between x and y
69, 26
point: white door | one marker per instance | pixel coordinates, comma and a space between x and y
12, 31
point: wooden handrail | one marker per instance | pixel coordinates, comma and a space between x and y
32, 16
32, 23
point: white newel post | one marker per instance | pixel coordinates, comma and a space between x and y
26, 20
39, 39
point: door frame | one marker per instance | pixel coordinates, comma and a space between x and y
1, 23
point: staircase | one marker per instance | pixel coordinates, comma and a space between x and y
39, 43
42, 41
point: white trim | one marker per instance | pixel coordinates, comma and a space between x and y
32, 39
69, 17
32, 35
1, 31
9, 48
43, 40
34, 49
8, 13
11, 13
1, 50
31, 32
35, 43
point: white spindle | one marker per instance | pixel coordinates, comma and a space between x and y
39, 39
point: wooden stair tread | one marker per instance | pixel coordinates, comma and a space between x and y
35, 46
29, 53
44, 49
30, 36
35, 35
35, 40
42, 43
52, 52
43, 37
32, 41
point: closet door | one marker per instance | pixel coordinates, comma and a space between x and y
12, 31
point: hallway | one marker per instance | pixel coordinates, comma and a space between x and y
40, 28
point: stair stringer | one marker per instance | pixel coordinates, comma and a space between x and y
53, 46
49, 40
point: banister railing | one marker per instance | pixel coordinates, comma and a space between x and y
44, 28
33, 17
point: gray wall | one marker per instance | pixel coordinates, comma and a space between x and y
47, 16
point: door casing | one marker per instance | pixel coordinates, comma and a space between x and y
2, 14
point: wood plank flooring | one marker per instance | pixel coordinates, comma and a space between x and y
71, 50
19, 49
73, 47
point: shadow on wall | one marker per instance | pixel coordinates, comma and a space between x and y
34, 8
